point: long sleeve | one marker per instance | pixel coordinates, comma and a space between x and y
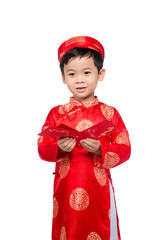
118, 149
48, 148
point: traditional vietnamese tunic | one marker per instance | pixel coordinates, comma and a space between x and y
82, 208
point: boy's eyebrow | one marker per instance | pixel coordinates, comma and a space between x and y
88, 68
68, 70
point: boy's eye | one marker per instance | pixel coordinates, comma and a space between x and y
71, 74
87, 72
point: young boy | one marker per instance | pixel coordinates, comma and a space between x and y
83, 202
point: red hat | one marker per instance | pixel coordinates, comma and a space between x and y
82, 42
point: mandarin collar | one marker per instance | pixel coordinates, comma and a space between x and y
88, 104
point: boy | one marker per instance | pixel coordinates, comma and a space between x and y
83, 202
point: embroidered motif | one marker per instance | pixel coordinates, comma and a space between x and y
93, 236
65, 108
40, 140
88, 104
45, 127
122, 138
63, 234
110, 160
61, 110
84, 124
45, 140
73, 102
64, 167
60, 159
100, 175
91, 103
107, 111
77, 39
97, 161
109, 214
55, 207
79, 199
78, 109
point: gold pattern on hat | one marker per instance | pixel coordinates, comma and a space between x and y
79, 199
55, 207
64, 167
84, 124
75, 39
107, 111
63, 234
93, 236
111, 159
100, 175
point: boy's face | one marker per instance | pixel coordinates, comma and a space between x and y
81, 77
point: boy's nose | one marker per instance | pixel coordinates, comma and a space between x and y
79, 80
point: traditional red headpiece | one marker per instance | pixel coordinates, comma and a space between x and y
82, 42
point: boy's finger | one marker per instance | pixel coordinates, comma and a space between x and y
66, 140
69, 142
92, 140
62, 140
88, 143
70, 145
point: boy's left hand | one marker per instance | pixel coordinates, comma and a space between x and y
91, 145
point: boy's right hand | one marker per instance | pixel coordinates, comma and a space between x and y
67, 144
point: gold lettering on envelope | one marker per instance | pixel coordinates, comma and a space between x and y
57, 130
106, 132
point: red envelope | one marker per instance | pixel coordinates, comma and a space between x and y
97, 131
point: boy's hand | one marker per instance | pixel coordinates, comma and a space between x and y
91, 145
67, 144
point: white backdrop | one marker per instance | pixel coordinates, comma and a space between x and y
31, 85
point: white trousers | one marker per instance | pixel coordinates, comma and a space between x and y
113, 219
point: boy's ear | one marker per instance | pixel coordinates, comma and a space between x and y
101, 74
63, 78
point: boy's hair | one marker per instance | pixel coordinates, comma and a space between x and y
81, 52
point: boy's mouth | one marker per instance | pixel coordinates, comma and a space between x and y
81, 89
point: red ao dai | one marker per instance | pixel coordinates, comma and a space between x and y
81, 202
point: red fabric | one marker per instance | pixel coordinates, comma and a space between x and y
80, 41
81, 202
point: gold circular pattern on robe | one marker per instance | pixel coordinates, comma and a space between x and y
79, 199
55, 207
110, 160
40, 140
109, 213
107, 111
63, 234
83, 125
97, 161
64, 167
93, 236
122, 138
61, 110
45, 127
100, 175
